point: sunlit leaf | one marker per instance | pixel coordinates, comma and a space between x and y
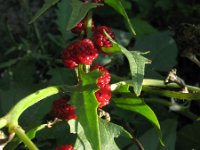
137, 105
136, 63
108, 132
117, 5
86, 105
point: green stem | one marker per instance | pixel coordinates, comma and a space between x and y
28, 101
158, 87
3, 122
189, 114
25, 139
11, 119
168, 93
160, 83
80, 71
22, 105
183, 111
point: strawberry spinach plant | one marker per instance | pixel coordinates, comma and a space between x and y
82, 105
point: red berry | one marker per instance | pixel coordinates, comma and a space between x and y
105, 78
65, 147
86, 52
69, 57
100, 39
80, 52
103, 95
62, 110
79, 28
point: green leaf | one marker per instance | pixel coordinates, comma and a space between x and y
137, 105
81, 141
63, 14
163, 55
45, 7
86, 105
189, 135
150, 142
136, 63
108, 132
117, 5
124, 38
79, 11
62, 76
137, 66
142, 27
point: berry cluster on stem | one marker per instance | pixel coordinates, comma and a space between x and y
62, 110
86, 51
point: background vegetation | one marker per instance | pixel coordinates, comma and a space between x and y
30, 60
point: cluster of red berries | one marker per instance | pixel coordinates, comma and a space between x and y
99, 38
62, 110
85, 51
80, 52
103, 95
65, 147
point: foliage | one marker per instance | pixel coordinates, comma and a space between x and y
30, 60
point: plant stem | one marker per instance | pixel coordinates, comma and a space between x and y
158, 87
134, 139
28, 101
169, 93
22, 135
23, 104
160, 83
3, 122
189, 114
183, 111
